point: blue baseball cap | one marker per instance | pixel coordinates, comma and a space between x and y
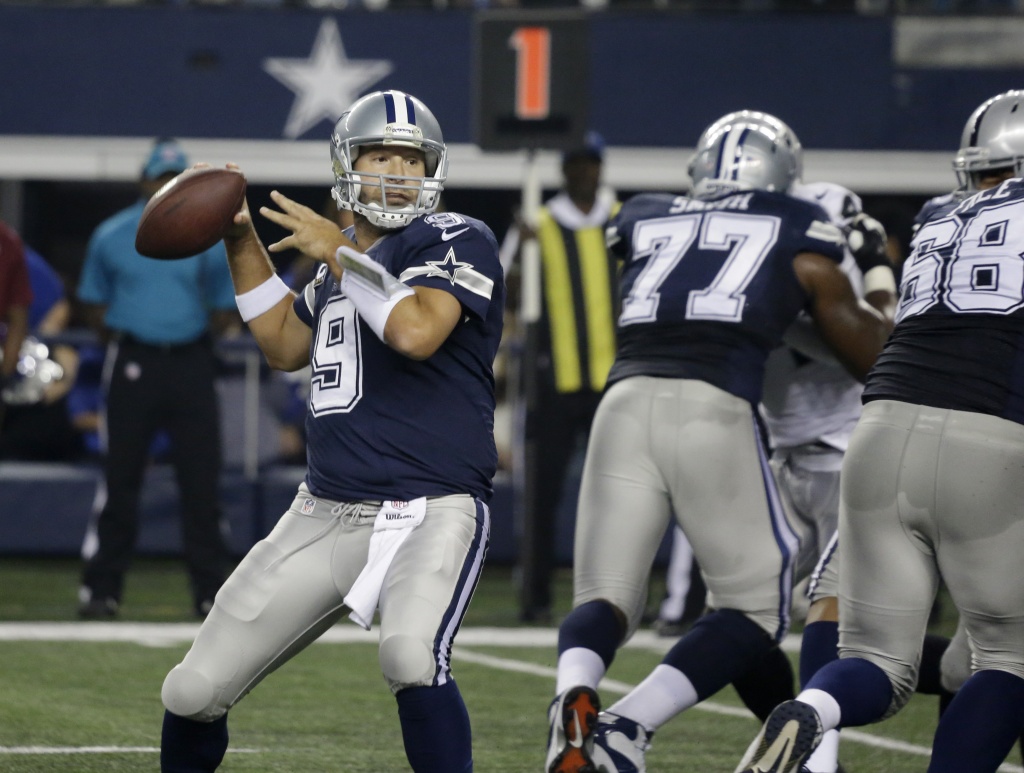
166, 157
592, 147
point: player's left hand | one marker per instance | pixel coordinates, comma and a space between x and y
867, 240
311, 233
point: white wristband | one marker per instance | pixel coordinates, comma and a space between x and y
372, 290
879, 278
262, 298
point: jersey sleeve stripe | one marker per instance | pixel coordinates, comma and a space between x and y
467, 278
826, 232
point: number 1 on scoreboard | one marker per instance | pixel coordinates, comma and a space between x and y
533, 72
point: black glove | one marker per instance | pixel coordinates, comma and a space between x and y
867, 240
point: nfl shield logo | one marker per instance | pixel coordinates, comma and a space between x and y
307, 506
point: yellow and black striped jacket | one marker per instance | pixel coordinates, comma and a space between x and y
580, 285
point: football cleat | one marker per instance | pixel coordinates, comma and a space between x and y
620, 744
748, 755
791, 732
98, 608
573, 719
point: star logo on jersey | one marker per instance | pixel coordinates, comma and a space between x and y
326, 83
448, 268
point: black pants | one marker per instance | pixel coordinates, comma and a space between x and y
557, 426
170, 388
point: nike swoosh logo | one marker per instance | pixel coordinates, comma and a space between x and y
776, 757
445, 236
819, 196
575, 739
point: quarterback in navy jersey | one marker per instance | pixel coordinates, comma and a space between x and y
932, 485
710, 285
374, 429
399, 327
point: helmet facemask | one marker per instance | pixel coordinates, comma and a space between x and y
388, 119
348, 182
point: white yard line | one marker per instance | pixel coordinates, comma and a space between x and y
171, 634
78, 749
95, 750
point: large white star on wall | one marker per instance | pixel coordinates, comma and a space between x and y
326, 83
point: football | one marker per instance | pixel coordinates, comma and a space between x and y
190, 214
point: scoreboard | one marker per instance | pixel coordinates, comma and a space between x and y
531, 80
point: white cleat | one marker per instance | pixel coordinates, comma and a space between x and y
620, 745
791, 732
572, 718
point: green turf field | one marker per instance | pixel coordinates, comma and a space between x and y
72, 699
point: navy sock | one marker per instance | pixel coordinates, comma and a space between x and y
862, 689
593, 626
766, 684
435, 729
187, 746
981, 724
720, 647
820, 646
929, 675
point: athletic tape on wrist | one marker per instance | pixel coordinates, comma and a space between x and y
262, 298
879, 278
372, 290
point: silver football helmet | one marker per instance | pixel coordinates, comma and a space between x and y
745, 150
993, 139
388, 118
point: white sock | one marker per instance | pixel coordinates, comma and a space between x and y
826, 706
825, 759
658, 698
577, 667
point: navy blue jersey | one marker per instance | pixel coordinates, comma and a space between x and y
708, 287
959, 336
935, 207
382, 426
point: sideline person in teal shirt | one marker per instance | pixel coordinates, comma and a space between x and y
159, 318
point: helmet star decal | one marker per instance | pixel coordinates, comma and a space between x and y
448, 268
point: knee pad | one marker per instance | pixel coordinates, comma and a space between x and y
955, 666
189, 694
406, 662
901, 694
903, 681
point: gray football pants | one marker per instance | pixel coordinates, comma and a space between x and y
288, 591
659, 446
928, 492
808, 479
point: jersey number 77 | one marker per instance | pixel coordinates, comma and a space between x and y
665, 242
